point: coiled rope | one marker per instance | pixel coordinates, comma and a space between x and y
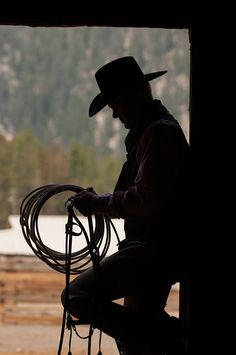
68, 262
30, 210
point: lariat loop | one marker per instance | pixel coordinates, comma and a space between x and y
30, 210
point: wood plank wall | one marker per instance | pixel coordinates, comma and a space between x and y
30, 292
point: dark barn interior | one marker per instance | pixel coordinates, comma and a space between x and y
200, 300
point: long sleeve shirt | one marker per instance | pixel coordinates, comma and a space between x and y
152, 191
160, 158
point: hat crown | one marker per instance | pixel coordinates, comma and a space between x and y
116, 78
119, 74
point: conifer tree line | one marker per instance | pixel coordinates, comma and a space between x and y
26, 164
46, 85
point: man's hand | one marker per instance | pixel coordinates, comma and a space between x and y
84, 201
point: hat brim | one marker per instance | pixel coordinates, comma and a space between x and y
154, 75
100, 101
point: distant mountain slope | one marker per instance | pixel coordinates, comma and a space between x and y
47, 78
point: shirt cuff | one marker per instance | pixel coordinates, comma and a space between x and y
104, 205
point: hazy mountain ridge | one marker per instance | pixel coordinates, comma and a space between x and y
47, 78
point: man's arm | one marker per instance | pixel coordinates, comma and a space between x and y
158, 157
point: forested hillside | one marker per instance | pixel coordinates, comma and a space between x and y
46, 85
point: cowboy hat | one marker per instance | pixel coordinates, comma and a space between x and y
116, 77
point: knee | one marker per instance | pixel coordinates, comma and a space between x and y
79, 296
79, 304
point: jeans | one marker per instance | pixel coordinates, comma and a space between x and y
135, 274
